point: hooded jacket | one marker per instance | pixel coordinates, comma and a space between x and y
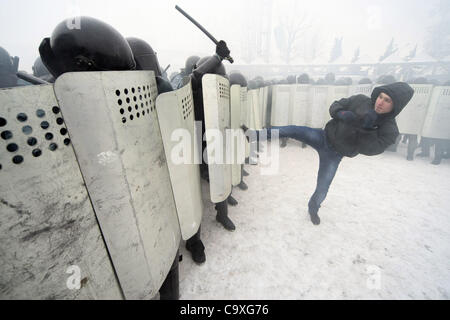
350, 139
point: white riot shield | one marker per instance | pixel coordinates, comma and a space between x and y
237, 135
50, 242
412, 117
112, 120
281, 105
244, 111
438, 116
264, 95
319, 107
335, 93
244, 106
177, 123
300, 94
365, 89
216, 102
256, 110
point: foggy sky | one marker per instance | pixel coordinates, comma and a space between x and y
362, 23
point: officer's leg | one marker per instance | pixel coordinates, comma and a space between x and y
170, 289
447, 150
405, 138
438, 151
425, 144
232, 201
222, 216
243, 185
412, 145
244, 173
196, 247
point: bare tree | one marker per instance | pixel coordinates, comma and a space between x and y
390, 49
356, 55
314, 47
336, 51
292, 28
438, 40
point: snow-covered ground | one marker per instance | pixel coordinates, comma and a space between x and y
385, 233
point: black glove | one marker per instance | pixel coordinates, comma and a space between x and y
346, 116
222, 50
369, 119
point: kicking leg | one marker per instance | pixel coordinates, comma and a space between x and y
313, 137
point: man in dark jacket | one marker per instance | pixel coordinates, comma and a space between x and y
360, 125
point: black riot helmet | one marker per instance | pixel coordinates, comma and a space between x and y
220, 69
303, 78
252, 84
39, 70
94, 46
144, 56
190, 64
238, 78
291, 79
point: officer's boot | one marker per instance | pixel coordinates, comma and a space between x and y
243, 186
195, 246
232, 201
222, 216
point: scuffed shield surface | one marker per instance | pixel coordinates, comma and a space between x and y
237, 136
319, 107
216, 101
412, 117
299, 111
176, 119
117, 140
50, 242
281, 105
438, 115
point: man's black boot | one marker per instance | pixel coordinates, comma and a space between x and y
313, 210
283, 142
245, 173
222, 216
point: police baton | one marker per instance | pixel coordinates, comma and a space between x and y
230, 59
167, 68
29, 78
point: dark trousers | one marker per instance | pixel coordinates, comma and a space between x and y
328, 157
